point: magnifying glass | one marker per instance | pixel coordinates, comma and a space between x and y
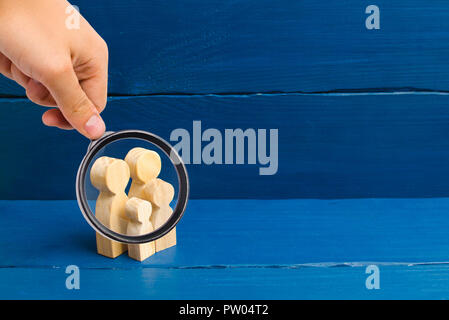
111, 151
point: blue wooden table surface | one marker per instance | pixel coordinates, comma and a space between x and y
230, 249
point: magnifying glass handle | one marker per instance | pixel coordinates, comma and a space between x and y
94, 142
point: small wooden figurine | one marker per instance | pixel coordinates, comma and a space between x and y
138, 212
160, 194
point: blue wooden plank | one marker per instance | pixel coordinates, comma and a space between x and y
237, 249
248, 46
240, 233
396, 282
330, 146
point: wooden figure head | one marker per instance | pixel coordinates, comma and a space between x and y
159, 192
144, 164
110, 174
138, 210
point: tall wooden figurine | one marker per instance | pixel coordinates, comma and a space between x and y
110, 176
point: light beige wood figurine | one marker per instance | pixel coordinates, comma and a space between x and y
138, 212
146, 209
110, 176
160, 193
144, 165
158, 218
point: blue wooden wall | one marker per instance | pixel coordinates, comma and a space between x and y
360, 113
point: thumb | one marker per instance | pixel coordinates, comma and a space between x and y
74, 104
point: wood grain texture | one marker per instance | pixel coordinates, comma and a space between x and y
264, 46
330, 146
321, 249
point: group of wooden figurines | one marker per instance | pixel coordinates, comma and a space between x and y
144, 209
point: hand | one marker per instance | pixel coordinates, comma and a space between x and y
58, 66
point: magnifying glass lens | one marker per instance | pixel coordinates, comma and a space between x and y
132, 188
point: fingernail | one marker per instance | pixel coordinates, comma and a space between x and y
94, 127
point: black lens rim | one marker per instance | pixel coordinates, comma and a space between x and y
183, 180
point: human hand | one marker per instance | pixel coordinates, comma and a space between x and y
58, 67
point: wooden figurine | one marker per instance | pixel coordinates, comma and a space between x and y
138, 212
158, 218
110, 176
160, 194
144, 165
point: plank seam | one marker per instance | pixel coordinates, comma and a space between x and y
334, 92
328, 265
